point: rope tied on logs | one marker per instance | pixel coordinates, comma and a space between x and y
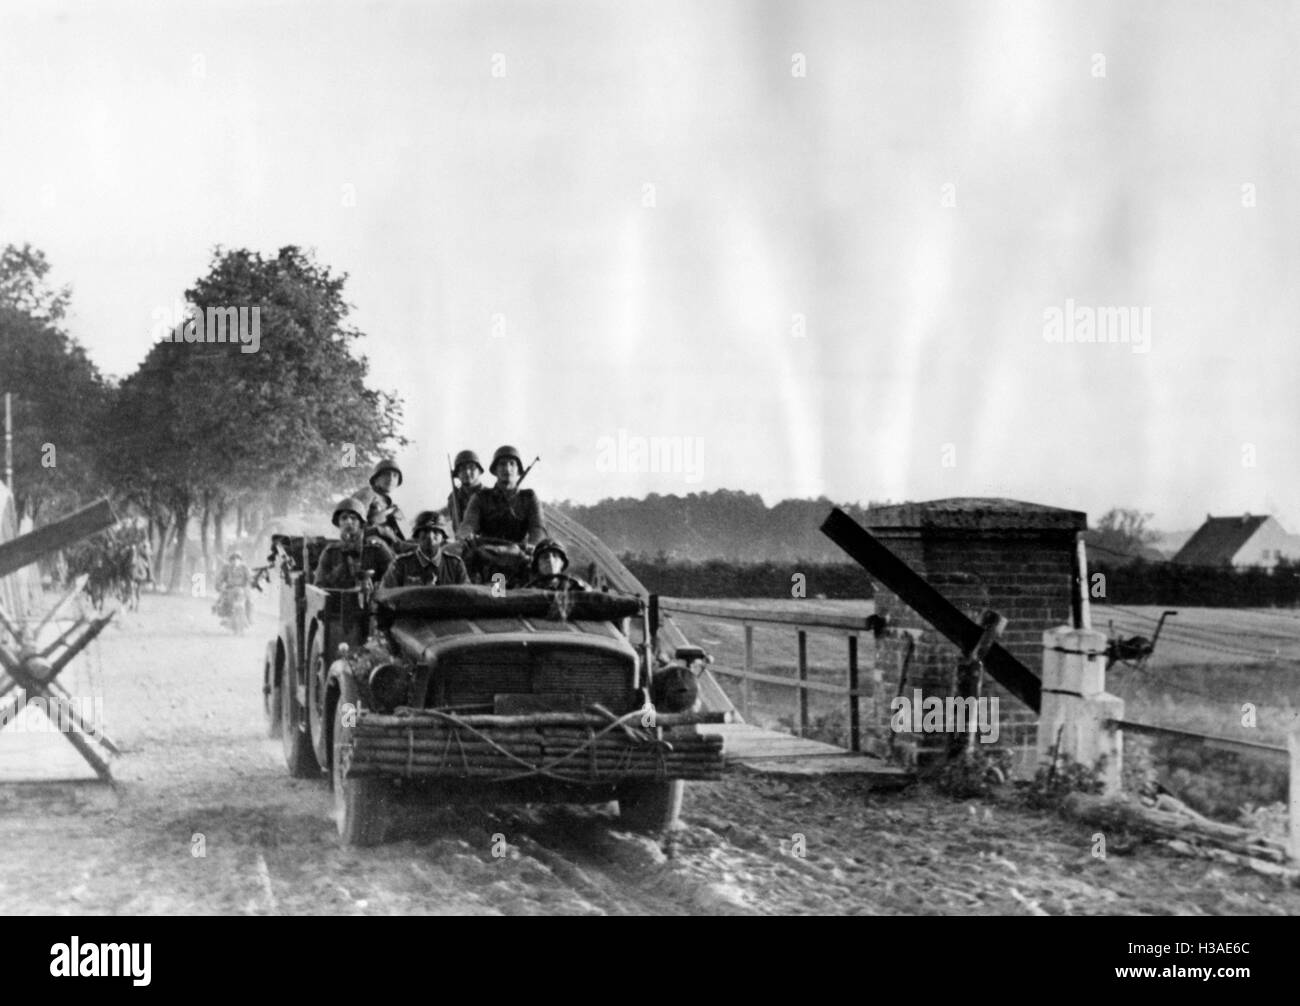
464, 758
528, 769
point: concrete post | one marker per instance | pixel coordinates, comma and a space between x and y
1076, 704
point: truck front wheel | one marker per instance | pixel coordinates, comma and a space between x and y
360, 802
650, 806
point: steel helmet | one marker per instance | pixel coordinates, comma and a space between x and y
550, 545
386, 465
433, 520
236, 555
351, 506
466, 458
503, 452
423, 519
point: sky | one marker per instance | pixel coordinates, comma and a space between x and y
821, 247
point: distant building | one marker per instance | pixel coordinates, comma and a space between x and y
1240, 542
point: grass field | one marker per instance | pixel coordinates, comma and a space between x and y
1225, 672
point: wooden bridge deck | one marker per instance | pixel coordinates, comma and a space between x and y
772, 752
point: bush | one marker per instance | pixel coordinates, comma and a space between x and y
1171, 583
973, 773
1055, 781
720, 578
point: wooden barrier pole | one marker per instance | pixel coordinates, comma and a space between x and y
749, 669
855, 729
27, 548
803, 679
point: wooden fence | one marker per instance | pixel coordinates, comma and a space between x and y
850, 627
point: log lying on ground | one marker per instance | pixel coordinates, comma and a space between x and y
1180, 827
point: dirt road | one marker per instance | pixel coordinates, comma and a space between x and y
205, 820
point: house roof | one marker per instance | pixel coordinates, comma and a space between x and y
1218, 540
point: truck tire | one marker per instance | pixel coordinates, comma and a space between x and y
650, 806
360, 802
299, 758
272, 702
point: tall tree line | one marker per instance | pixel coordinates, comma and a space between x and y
218, 434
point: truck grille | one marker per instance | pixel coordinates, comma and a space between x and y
475, 677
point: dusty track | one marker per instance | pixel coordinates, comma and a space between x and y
182, 697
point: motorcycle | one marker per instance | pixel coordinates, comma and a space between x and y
232, 608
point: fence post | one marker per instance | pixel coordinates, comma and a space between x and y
855, 739
749, 669
803, 680
1076, 708
1293, 744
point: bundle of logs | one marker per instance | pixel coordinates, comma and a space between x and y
572, 747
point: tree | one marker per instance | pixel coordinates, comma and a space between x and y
23, 286
1121, 533
205, 427
59, 397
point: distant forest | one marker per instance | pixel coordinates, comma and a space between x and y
726, 524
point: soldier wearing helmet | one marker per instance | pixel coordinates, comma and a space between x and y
430, 564
342, 562
504, 511
549, 564
380, 512
236, 578
465, 470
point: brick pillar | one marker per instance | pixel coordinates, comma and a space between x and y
1003, 554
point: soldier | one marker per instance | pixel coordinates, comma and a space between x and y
430, 563
236, 578
342, 562
467, 469
549, 564
504, 511
386, 516
381, 522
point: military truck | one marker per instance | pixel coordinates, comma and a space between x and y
419, 696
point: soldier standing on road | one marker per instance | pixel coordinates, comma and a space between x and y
342, 562
504, 511
387, 517
430, 563
466, 469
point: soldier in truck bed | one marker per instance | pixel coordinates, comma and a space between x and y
429, 564
466, 470
377, 501
342, 562
550, 568
504, 511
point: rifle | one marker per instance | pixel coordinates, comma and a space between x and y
524, 474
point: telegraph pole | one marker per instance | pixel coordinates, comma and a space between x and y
9, 445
